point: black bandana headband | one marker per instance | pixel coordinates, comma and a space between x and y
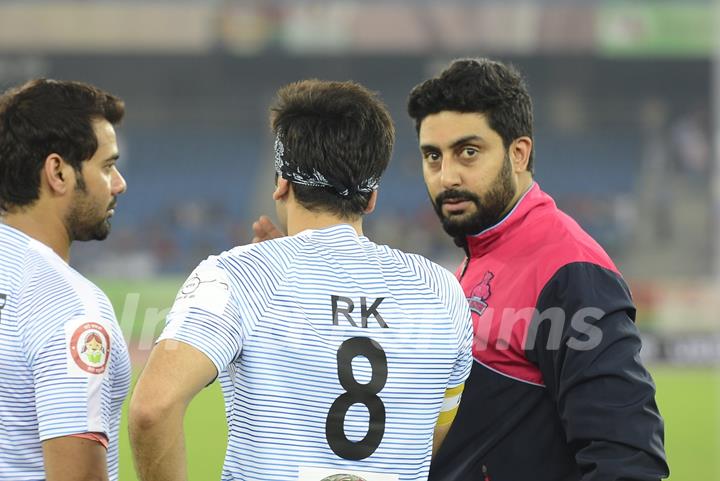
315, 178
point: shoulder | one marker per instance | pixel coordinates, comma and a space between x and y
55, 292
437, 275
559, 246
441, 281
582, 285
49, 280
435, 271
268, 254
59, 309
230, 276
577, 244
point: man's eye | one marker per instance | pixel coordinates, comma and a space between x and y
470, 152
432, 156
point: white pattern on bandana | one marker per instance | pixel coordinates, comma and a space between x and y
315, 178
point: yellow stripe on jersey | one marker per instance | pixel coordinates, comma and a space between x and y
454, 391
450, 405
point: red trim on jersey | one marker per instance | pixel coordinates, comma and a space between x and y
99, 437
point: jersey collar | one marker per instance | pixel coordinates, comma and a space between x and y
534, 198
329, 231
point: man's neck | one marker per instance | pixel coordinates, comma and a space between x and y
46, 228
300, 219
525, 181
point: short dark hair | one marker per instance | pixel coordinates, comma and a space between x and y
478, 85
341, 130
44, 117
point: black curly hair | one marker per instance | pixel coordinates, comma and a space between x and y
478, 85
42, 117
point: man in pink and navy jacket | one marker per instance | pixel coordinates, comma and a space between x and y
557, 391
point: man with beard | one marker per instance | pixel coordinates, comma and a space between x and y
557, 391
59, 401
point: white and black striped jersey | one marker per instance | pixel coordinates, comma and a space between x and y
334, 354
64, 365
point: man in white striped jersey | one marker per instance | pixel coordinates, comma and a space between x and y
338, 358
64, 366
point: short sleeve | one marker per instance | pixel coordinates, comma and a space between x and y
464, 329
205, 315
69, 368
462, 322
595, 377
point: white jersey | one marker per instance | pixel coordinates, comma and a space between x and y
334, 354
64, 365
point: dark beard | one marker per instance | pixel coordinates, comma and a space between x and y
80, 231
80, 223
488, 210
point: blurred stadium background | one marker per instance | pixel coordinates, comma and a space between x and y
626, 102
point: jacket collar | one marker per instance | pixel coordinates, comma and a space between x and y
534, 198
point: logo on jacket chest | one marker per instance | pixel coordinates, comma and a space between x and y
480, 294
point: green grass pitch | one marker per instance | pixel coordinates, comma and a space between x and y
689, 400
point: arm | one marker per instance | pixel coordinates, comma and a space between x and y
202, 336
604, 395
459, 312
447, 416
73, 442
174, 374
441, 431
88, 459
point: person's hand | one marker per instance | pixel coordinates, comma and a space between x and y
264, 229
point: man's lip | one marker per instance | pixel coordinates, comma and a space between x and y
456, 204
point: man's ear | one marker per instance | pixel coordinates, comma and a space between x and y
372, 202
282, 189
520, 151
58, 175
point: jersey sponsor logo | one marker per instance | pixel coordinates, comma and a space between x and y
335, 474
207, 288
480, 294
89, 347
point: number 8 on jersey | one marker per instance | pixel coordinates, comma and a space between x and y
356, 393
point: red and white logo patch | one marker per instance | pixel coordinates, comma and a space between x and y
90, 347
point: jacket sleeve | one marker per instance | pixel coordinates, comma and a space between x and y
586, 344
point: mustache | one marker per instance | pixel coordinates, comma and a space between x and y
113, 203
456, 195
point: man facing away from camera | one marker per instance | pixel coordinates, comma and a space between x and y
557, 390
338, 358
64, 366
